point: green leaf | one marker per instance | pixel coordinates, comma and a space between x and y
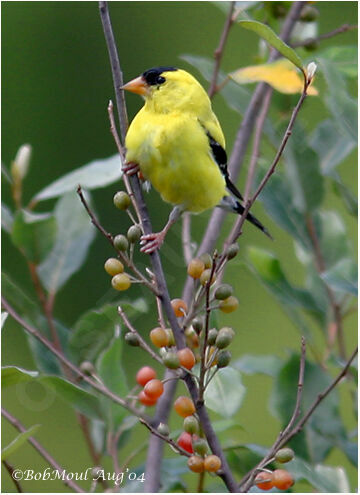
348, 198
96, 174
226, 424
342, 276
333, 238
18, 442
44, 358
323, 479
266, 365
12, 375
112, 374
94, 329
343, 57
268, 35
324, 430
332, 145
74, 236
7, 218
34, 234
278, 203
225, 393
303, 173
83, 401
20, 301
268, 267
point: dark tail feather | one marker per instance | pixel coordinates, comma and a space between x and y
231, 204
250, 217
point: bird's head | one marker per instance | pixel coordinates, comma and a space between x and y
168, 89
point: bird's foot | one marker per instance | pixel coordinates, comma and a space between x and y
131, 168
151, 242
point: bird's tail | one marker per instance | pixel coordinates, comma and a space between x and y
230, 203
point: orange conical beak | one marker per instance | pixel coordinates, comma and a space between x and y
137, 85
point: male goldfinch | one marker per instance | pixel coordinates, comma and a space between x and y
177, 142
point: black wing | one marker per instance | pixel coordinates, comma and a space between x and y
220, 157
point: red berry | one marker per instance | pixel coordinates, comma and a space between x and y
264, 480
185, 442
282, 479
146, 400
154, 388
144, 375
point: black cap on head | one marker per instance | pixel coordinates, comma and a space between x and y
153, 76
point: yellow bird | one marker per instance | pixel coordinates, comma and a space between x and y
177, 142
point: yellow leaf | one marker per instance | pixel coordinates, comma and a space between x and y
281, 75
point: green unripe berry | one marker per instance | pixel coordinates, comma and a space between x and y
121, 281
309, 14
205, 277
122, 200
200, 446
134, 234
132, 339
284, 455
229, 304
223, 292
171, 360
171, 337
113, 266
191, 425
212, 334
278, 9
206, 259
232, 251
87, 368
163, 429
224, 337
223, 359
121, 243
197, 324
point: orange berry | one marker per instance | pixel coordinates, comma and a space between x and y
144, 375
184, 406
154, 388
282, 479
212, 463
180, 307
195, 268
186, 358
264, 480
146, 400
196, 464
159, 337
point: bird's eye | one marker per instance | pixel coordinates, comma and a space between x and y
160, 80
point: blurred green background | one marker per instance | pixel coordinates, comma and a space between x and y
56, 86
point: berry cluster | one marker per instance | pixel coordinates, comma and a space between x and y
280, 478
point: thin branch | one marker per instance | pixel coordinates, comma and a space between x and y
41, 450
342, 29
321, 267
186, 237
9, 468
110, 238
218, 54
236, 231
118, 79
100, 387
248, 479
142, 342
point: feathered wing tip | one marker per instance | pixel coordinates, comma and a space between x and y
231, 204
